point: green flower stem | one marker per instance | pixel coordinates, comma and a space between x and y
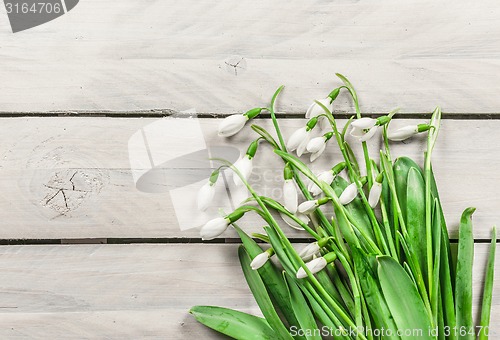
373, 219
288, 246
354, 96
431, 139
299, 182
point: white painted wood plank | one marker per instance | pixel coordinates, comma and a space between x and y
90, 161
134, 55
131, 291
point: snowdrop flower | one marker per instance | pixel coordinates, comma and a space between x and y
327, 177
261, 259
214, 228
288, 220
308, 207
245, 164
317, 145
205, 196
406, 132
309, 251
217, 226
375, 192
349, 194
231, 125
364, 128
207, 192
290, 195
300, 138
315, 110
317, 264
314, 266
245, 167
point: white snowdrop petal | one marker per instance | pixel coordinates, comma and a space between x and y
290, 196
349, 194
232, 125
403, 133
259, 260
205, 196
213, 228
369, 134
374, 196
316, 144
296, 138
364, 123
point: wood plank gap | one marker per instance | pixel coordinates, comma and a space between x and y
176, 240
161, 113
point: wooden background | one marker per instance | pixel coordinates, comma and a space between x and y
88, 254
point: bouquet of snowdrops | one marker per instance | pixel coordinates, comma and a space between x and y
382, 267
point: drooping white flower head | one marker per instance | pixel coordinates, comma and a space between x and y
298, 140
245, 167
260, 260
307, 207
231, 125
214, 228
315, 110
325, 176
205, 196
288, 220
312, 249
375, 192
290, 195
364, 128
314, 266
349, 194
403, 133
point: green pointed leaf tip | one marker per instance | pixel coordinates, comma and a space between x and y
463, 285
488, 288
235, 324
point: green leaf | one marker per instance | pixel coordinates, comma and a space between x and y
301, 309
415, 217
272, 278
488, 289
403, 299
379, 311
235, 324
401, 169
260, 294
266, 135
465, 258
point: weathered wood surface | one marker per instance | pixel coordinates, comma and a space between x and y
132, 291
218, 56
94, 162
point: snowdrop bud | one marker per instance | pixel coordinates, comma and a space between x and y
244, 166
314, 266
375, 192
232, 125
261, 259
309, 251
349, 194
290, 195
315, 110
214, 228
205, 196
296, 138
403, 133
252, 113
316, 144
307, 207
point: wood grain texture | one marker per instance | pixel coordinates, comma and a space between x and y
222, 57
132, 291
75, 177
